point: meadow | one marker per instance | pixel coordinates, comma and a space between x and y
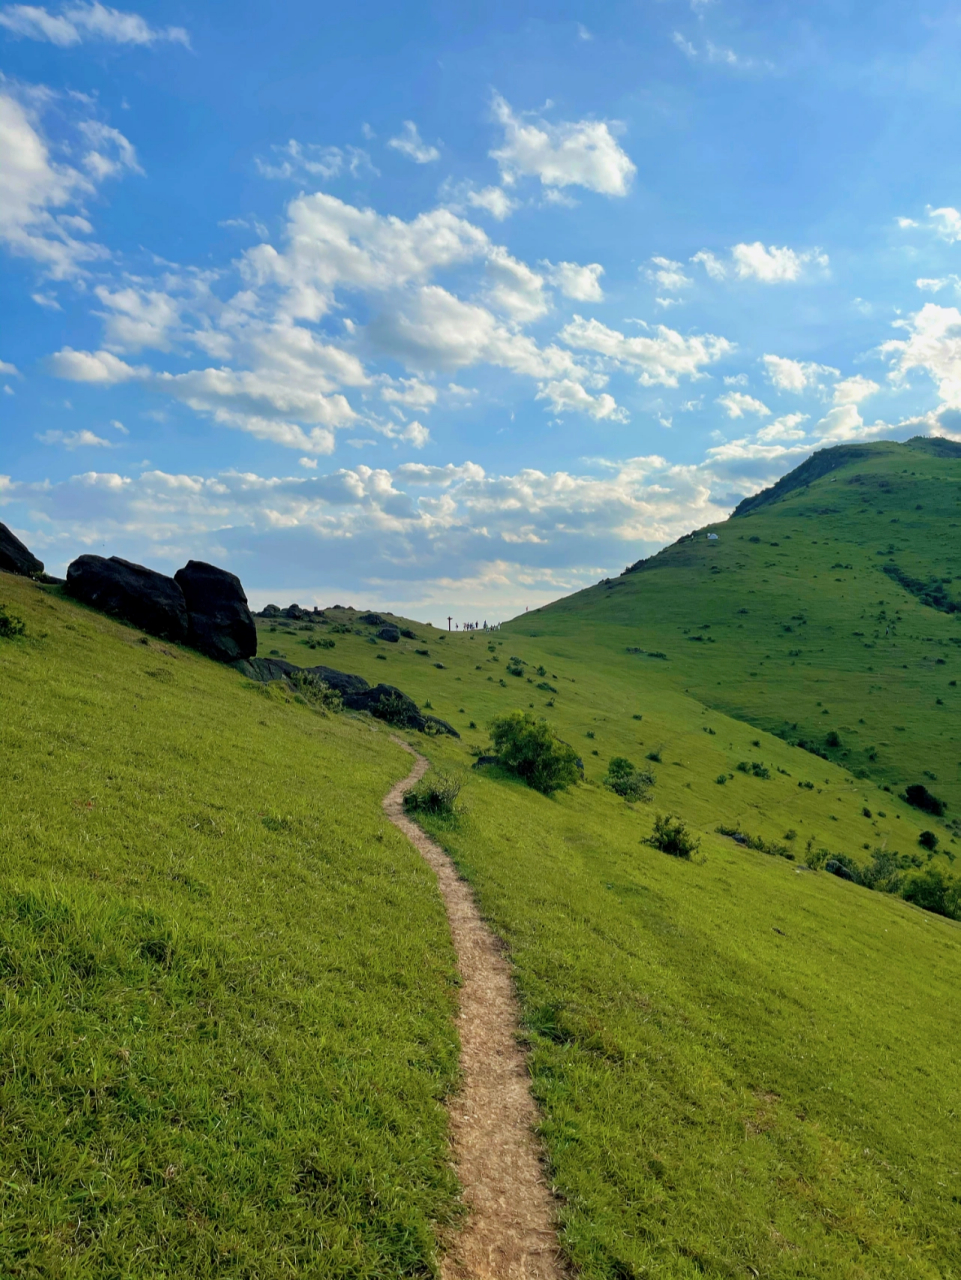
231, 982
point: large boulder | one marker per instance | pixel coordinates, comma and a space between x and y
390, 633
220, 623
15, 557
149, 600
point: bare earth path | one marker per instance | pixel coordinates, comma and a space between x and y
510, 1233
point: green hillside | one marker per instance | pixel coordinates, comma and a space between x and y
222, 962
827, 606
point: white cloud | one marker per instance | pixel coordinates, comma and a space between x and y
6, 369
494, 200
410, 144
855, 389
92, 366
574, 281
660, 360
118, 426
933, 345
410, 392
786, 428
947, 223
76, 23
736, 404
714, 53
768, 265
584, 153
928, 285
74, 439
333, 245
514, 289
668, 275
303, 161
796, 375
36, 190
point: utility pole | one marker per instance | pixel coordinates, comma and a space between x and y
449, 621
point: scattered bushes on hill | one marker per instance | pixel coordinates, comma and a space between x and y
530, 749
755, 769
624, 779
755, 842
921, 798
435, 794
672, 836
10, 624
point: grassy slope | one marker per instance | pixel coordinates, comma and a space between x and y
741, 1063
226, 979
745, 1068
826, 639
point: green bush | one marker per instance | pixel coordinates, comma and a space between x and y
317, 693
435, 794
928, 840
624, 779
671, 835
531, 749
10, 624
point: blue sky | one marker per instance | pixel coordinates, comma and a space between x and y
459, 308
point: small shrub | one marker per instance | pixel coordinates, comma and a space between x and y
671, 835
320, 644
928, 840
721, 779
654, 755
866, 812
317, 693
10, 625
833, 739
393, 708
435, 794
627, 781
590, 733
530, 749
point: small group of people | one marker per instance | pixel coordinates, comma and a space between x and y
476, 626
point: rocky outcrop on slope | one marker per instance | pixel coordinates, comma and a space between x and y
147, 599
382, 700
219, 621
15, 557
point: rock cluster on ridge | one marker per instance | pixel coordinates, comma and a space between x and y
15, 557
219, 621
149, 600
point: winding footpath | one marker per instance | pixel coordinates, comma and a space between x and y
510, 1232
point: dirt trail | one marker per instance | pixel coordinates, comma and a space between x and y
510, 1232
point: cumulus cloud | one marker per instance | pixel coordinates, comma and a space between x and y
668, 275
947, 223
583, 284
514, 289
662, 359
736, 404
787, 427
796, 375
493, 200
854, 390
75, 439
766, 264
933, 346
581, 153
77, 23
92, 366
410, 144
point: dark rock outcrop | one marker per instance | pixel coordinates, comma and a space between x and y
383, 700
219, 621
15, 557
270, 611
390, 633
294, 611
149, 600
372, 619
